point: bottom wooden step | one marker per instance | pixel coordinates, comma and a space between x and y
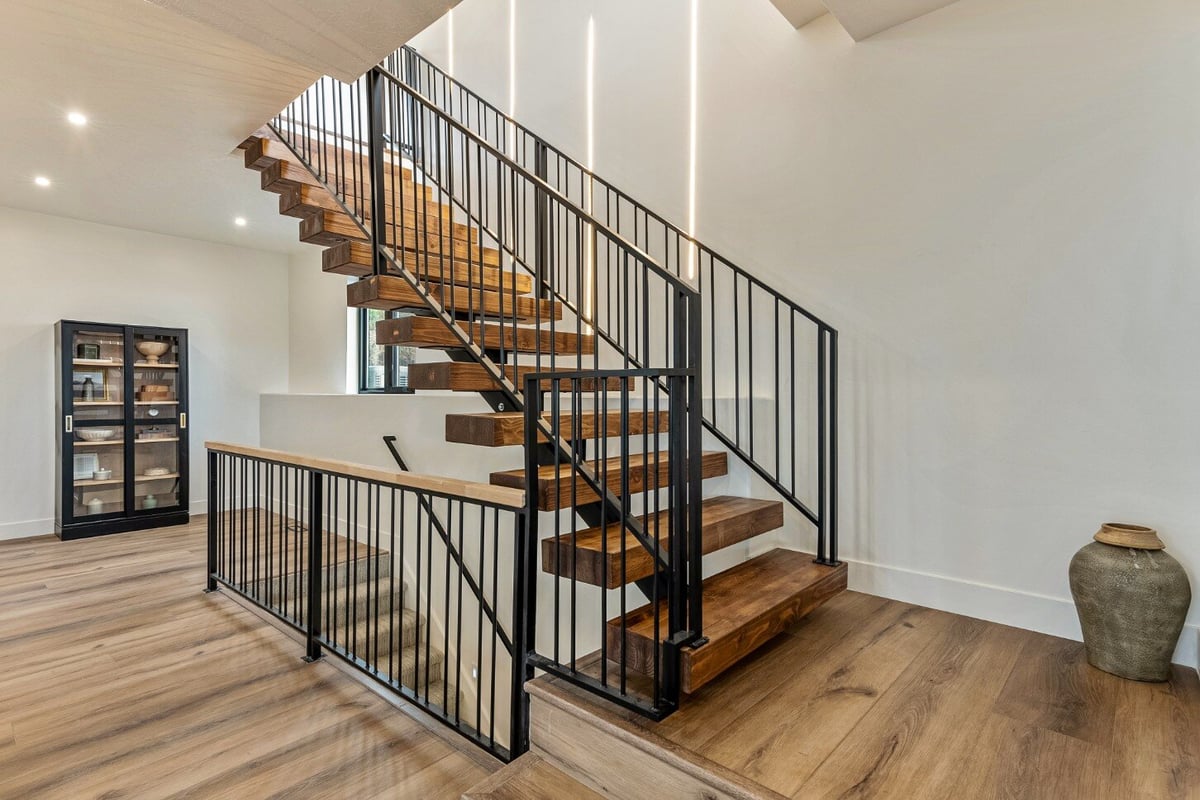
744, 607
530, 777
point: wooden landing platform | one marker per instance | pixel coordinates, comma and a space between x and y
872, 698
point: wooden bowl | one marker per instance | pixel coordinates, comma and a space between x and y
152, 350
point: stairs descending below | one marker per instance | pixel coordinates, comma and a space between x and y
744, 607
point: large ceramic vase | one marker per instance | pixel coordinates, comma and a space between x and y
1132, 599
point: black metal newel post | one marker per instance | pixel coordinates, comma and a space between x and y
375, 120
541, 221
315, 510
213, 511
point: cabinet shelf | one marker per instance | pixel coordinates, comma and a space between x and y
148, 365
156, 402
148, 478
96, 362
105, 443
97, 403
83, 484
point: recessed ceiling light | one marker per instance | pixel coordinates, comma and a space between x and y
239, 221
42, 180
77, 119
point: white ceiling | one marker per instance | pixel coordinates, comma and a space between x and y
861, 18
342, 39
168, 100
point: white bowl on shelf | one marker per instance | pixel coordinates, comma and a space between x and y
154, 472
102, 474
95, 434
152, 350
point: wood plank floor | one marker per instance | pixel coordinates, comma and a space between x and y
119, 678
872, 698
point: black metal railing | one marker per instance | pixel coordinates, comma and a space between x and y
770, 365
624, 644
406, 581
470, 232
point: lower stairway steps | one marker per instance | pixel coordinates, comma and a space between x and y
561, 486
595, 557
503, 428
744, 607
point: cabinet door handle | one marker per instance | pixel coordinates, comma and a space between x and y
68, 423
183, 421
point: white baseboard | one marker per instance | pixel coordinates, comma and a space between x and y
23, 530
1035, 612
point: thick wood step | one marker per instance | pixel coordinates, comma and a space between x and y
530, 778
263, 149
744, 607
556, 481
503, 428
331, 227
426, 332
465, 376
301, 200
354, 258
391, 292
725, 521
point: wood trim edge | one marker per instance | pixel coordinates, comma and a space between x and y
468, 490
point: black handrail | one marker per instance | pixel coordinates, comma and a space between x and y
715, 276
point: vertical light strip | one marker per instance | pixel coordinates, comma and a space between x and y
590, 240
692, 94
450, 42
512, 58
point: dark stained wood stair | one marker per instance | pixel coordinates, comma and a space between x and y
391, 293
597, 553
744, 608
427, 332
463, 376
560, 486
502, 428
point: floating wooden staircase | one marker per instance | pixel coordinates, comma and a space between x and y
446, 267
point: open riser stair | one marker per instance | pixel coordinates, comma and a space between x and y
600, 352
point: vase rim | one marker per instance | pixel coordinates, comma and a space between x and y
1125, 534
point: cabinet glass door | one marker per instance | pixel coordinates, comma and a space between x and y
95, 435
159, 416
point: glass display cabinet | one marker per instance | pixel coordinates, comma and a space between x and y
122, 428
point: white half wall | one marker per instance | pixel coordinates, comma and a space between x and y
232, 300
998, 205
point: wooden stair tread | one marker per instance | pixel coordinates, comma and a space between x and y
465, 376
725, 521
530, 777
505, 428
554, 492
302, 199
354, 258
429, 332
332, 227
744, 607
264, 147
391, 292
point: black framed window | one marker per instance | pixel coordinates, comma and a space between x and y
381, 369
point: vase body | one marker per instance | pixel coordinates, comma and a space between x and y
1132, 604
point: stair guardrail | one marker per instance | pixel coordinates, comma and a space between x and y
346, 555
770, 365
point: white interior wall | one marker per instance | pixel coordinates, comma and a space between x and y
232, 300
997, 204
319, 331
